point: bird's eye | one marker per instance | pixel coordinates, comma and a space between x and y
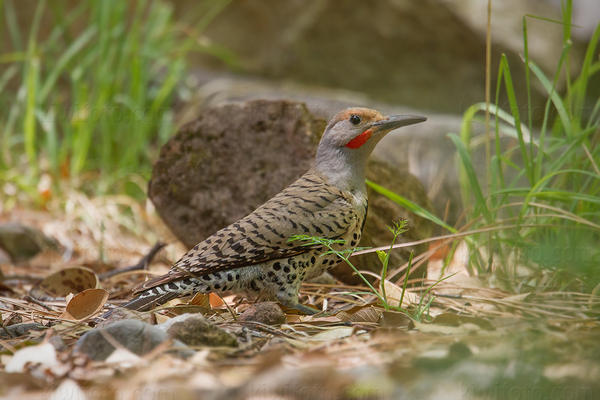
355, 119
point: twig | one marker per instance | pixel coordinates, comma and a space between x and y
142, 264
39, 303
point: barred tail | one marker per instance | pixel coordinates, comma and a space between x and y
150, 298
159, 295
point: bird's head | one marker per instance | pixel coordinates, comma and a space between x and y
359, 129
349, 139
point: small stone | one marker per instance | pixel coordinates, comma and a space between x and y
58, 343
195, 330
16, 330
268, 313
22, 242
120, 313
136, 336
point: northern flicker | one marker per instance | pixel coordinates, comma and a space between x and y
254, 256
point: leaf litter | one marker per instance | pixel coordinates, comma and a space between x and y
464, 334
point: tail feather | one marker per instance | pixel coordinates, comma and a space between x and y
159, 295
146, 302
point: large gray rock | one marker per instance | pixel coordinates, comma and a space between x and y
424, 150
228, 161
234, 157
426, 54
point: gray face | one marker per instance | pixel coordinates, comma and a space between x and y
349, 139
357, 127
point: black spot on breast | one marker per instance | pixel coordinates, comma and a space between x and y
286, 269
254, 286
313, 260
277, 266
172, 286
353, 243
331, 262
304, 228
206, 277
237, 247
217, 286
229, 277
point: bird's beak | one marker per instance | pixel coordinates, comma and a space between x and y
396, 121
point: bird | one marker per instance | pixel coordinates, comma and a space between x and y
254, 256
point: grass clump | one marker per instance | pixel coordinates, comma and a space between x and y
95, 86
545, 180
393, 302
536, 204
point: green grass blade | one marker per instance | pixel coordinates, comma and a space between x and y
409, 205
480, 203
11, 23
557, 101
581, 84
514, 109
75, 47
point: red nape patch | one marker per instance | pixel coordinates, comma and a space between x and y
360, 139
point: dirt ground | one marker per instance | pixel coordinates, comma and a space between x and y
462, 337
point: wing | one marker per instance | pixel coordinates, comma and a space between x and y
308, 206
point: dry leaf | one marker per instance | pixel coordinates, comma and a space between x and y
451, 319
393, 294
200, 299
364, 314
394, 319
446, 329
333, 333
441, 249
44, 354
214, 300
65, 281
68, 389
85, 304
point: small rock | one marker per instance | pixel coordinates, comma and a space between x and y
58, 343
22, 242
121, 313
136, 336
195, 330
268, 313
21, 329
